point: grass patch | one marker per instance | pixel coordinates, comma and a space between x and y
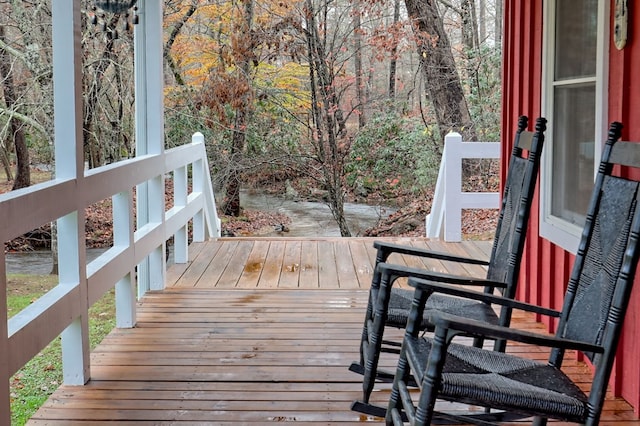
36, 381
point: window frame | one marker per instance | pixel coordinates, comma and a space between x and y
553, 228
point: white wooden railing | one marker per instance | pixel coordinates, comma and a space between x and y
445, 219
64, 309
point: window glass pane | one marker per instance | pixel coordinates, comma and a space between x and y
576, 36
573, 151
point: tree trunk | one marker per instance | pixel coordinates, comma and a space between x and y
358, 63
442, 81
482, 20
23, 173
93, 153
498, 24
329, 124
393, 64
6, 162
244, 51
469, 25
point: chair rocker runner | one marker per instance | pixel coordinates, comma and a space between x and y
597, 294
389, 306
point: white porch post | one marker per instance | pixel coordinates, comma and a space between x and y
150, 132
69, 164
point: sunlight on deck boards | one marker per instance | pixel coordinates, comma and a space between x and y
238, 355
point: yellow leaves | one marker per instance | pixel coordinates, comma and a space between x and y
287, 82
215, 44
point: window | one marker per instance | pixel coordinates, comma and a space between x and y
574, 102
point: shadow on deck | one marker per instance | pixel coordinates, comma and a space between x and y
251, 332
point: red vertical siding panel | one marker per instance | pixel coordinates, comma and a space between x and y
546, 267
624, 106
547, 259
521, 96
534, 20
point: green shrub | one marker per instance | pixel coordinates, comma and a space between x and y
393, 154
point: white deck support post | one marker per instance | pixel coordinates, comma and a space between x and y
69, 164
180, 240
435, 218
455, 199
453, 188
449, 200
149, 105
123, 238
209, 226
197, 172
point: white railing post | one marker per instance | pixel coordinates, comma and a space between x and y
123, 239
453, 188
436, 217
206, 223
180, 190
449, 200
198, 171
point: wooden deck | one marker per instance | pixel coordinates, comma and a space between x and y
251, 331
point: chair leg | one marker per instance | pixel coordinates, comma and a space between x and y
394, 408
430, 383
372, 357
375, 331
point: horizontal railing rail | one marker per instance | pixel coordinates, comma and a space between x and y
82, 283
445, 219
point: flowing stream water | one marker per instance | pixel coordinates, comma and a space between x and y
314, 219
308, 219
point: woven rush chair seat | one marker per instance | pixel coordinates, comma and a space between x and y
390, 306
400, 306
590, 323
504, 381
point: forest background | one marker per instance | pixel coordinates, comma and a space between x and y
339, 100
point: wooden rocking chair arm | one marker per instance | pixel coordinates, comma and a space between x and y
389, 248
486, 330
396, 271
436, 287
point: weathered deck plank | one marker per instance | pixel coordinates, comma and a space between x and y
228, 345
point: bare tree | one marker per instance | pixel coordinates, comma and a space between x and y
16, 131
498, 24
357, 56
243, 52
329, 122
393, 63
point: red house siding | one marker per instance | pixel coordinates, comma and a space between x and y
546, 267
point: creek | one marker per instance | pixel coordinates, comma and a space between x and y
314, 219
308, 219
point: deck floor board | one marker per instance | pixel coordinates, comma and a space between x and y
238, 337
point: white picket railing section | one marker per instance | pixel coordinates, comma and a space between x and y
64, 309
445, 219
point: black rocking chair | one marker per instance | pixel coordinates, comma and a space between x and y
389, 306
597, 294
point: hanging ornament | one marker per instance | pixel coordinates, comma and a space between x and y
115, 6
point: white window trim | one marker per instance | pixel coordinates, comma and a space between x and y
557, 230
